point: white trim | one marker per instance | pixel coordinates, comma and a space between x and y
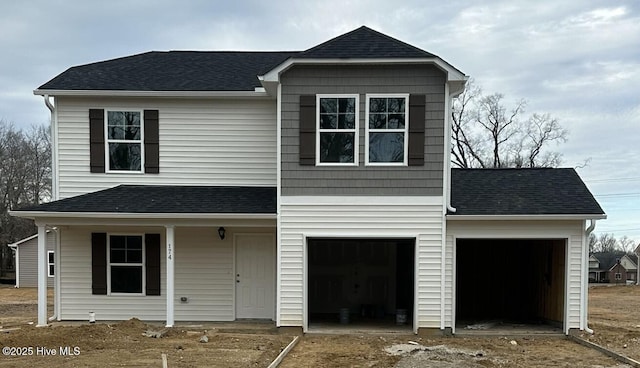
361, 200
49, 263
117, 93
278, 202
305, 283
453, 74
567, 267
57, 280
524, 217
454, 277
405, 130
129, 215
355, 130
107, 141
141, 264
17, 251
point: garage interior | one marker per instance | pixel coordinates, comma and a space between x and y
515, 282
360, 282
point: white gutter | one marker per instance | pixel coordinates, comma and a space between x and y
14, 248
584, 286
258, 92
126, 215
526, 217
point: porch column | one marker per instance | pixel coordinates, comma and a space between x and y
170, 273
42, 276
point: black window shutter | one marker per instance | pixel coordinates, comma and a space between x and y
96, 140
151, 142
152, 262
416, 129
99, 263
307, 130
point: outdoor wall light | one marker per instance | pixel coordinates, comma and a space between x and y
221, 232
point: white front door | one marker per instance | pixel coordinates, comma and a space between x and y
255, 276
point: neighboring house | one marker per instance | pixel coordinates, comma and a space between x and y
616, 267
294, 186
595, 272
26, 252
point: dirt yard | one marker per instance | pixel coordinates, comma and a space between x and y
614, 315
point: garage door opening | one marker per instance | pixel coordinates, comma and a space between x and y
360, 283
502, 283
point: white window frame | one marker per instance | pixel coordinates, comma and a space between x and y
618, 276
107, 141
51, 253
405, 130
143, 264
355, 130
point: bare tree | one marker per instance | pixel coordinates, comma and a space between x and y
25, 178
487, 133
626, 244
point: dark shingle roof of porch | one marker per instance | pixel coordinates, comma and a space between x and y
543, 191
168, 199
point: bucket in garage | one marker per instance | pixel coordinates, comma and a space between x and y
344, 316
401, 316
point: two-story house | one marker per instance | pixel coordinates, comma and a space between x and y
297, 187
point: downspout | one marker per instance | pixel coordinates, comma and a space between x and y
585, 273
447, 199
54, 148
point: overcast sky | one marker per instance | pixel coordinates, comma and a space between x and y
575, 59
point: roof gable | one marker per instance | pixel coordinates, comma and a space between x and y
521, 192
363, 43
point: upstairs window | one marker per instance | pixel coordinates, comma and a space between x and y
337, 127
124, 136
387, 129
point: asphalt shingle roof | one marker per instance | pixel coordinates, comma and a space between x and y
168, 199
219, 70
364, 42
521, 192
171, 71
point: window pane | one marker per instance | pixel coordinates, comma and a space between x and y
328, 106
396, 121
347, 105
117, 241
51, 270
328, 122
336, 147
377, 121
118, 256
346, 121
51, 258
395, 104
134, 242
134, 256
386, 147
126, 279
123, 125
124, 156
377, 105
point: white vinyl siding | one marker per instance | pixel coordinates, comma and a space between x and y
204, 274
570, 230
202, 142
369, 217
27, 257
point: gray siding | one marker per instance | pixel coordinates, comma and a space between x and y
363, 180
28, 261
